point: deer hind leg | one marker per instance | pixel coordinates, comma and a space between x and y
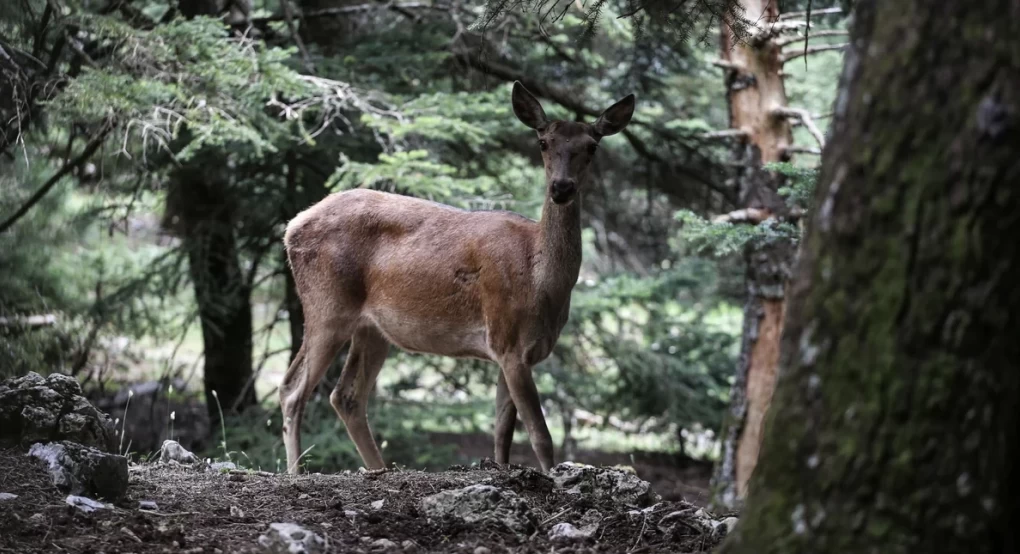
318, 350
506, 418
524, 393
350, 398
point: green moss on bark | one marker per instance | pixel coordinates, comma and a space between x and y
894, 424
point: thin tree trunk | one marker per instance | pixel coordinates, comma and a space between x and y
754, 88
895, 426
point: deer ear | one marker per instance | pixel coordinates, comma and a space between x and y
615, 118
527, 108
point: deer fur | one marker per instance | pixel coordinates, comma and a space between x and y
377, 269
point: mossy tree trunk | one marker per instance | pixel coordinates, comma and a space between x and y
895, 420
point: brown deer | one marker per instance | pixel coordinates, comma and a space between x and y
379, 269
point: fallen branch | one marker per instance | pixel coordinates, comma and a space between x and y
348, 10
68, 167
804, 118
812, 50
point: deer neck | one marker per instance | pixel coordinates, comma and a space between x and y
560, 246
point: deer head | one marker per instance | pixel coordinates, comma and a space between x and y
568, 147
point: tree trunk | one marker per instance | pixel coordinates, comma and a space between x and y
896, 420
200, 202
200, 209
754, 88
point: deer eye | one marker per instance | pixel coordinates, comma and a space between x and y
543, 145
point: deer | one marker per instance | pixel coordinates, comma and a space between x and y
379, 269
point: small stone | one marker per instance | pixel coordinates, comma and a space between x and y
478, 504
85, 504
303, 496
409, 546
565, 532
37, 519
172, 451
222, 467
7, 496
350, 513
378, 504
384, 544
482, 550
236, 512
291, 538
148, 505
622, 486
730, 524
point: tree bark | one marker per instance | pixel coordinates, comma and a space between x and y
200, 208
755, 88
896, 420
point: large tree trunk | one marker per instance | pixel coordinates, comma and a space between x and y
755, 88
895, 426
200, 202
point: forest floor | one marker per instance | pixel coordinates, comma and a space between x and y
203, 511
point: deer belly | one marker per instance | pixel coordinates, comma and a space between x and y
432, 335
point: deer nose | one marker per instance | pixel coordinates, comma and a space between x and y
562, 190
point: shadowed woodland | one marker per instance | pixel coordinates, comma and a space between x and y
792, 327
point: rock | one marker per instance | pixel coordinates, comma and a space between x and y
384, 545
236, 512
7, 496
566, 532
620, 486
478, 504
148, 505
81, 469
482, 550
34, 409
172, 451
84, 504
219, 467
37, 519
726, 526
291, 538
378, 504
409, 546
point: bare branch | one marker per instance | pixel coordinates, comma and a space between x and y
725, 133
804, 118
799, 15
744, 215
812, 50
43, 320
69, 166
819, 34
354, 9
802, 150
725, 64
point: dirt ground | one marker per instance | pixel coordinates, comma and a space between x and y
227, 512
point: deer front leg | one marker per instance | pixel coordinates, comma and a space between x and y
524, 394
506, 418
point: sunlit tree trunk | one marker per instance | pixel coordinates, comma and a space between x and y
755, 88
895, 421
